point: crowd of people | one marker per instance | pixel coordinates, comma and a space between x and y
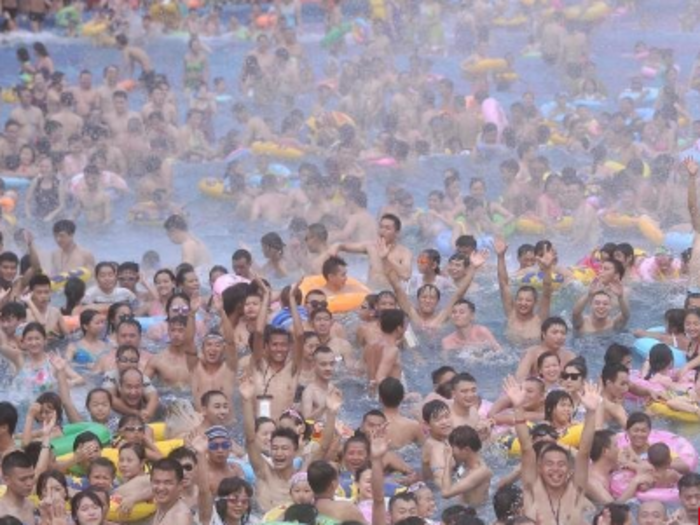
150, 392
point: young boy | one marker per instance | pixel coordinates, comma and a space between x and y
474, 475
313, 400
401, 430
436, 449
40, 309
382, 357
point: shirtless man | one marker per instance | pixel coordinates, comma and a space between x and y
468, 334
272, 204
313, 399
166, 484
400, 256
254, 128
273, 371
586, 224
118, 120
18, 475
615, 379
401, 430
436, 416
466, 402
93, 200
322, 324
554, 493
604, 461
86, 98
69, 255
11, 141
66, 115
382, 357
599, 321
317, 246
218, 451
463, 455
194, 251
105, 92
135, 57
335, 272
158, 102
689, 494
29, 117
553, 335
360, 225
171, 365
523, 321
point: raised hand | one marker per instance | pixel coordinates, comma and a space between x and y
199, 443
500, 246
34, 410
246, 388
57, 362
379, 442
591, 399
691, 166
514, 391
334, 400
383, 249
478, 259
547, 259
48, 425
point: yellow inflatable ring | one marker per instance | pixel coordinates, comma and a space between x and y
650, 229
571, 438
487, 65
94, 28
140, 511
342, 303
59, 281
214, 188
663, 410
514, 21
620, 221
272, 149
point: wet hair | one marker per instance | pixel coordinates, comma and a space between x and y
390, 320
507, 502
53, 399
636, 418
74, 290
552, 400
602, 439
610, 372
660, 358
332, 265
439, 372
181, 453
434, 408
8, 416
45, 476
305, 514
401, 496
579, 363
466, 241
434, 257
659, 455
102, 462
544, 355
553, 321
209, 395
262, 420
39, 280
465, 436
175, 222
86, 317
320, 476
619, 513
616, 353
394, 219
391, 392
86, 437
524, 249
15, 460
688, 480
462, 377
428, 288
79, 497
675, 318
286, 433
13, 309
165, 465
34, 327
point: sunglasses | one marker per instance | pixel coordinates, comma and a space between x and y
180, 309
318, 304
126, 360
574, 376
126, 317
224, 445
134, 429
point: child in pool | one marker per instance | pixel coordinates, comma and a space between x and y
665, 476
658, 369
299, 493
47, 406
691, 325
133, 430
675, 329
690, 402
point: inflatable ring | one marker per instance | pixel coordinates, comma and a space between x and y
660, 409
650, 229
148, 322
513, 21
140, 511
64, 444
59, 281
16, 183
571, 438
342, 303
536, 279
643, 345
9, 96
159, 431
620, 221
621, 479
677, 241
680, 446
214, 188
72, 322
272, 149
165, 448
95, 28
336, 34
487, 65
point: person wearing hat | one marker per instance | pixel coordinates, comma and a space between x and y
218, 451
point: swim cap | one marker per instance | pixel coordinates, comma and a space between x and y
299, 477
216, 432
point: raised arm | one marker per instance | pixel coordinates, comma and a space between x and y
578, 309
69, 407
691, 167
528, 470
378, 448
257, 461
205, 499
390, 271
546, 262
298, 337
260, 324
476, 261
622, 318
502, 271
590, 400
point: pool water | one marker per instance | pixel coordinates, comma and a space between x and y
214, 221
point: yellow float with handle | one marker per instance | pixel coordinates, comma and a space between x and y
487, 65
279, 151
341, 303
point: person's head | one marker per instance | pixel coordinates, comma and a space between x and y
117, 313
558, 408
689, 493
549, 367
50, 404
128, 275
63, 233
436, 414
425, 501
525, 300
106, 276
131, 389
464, 390
401, 506
322, 478
619, 514
389, 227
611, 270
617, 354
574, 374
554, 330
616, 380
324, 363
651, 513
8, 418
508, 503
101, 472
87, 508
18, 473
429, 262
659, 456
92, 323
356, 449
219, 445
601, 305
463, 313
660, 360
233, 501
465, 443
34, 338
12, 315
272, 245
391, 392
276, 342
176, 228
51, 484
392, 322
691, 324
9, 264
241, 263
166, 482
216, 407
534, 389
164, 281
604, 447
132, 460
554, 466
40, 287
284, 443
638, 429
372, 420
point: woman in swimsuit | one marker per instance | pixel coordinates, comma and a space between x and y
161, 291
34, 372
92, 346
196, 65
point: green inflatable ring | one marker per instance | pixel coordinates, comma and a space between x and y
499, 219
64, 444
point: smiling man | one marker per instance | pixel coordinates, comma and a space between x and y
166, 482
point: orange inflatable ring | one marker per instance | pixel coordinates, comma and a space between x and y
72, 322
7, 204
341, 303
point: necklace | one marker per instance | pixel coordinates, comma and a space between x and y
551, 506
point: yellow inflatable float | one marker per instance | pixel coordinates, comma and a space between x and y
594, 13
341, 303
214, 188
95, 28
278, 151
59, 281
534, 226
487, 65
663, 410
571, 438
512, 21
